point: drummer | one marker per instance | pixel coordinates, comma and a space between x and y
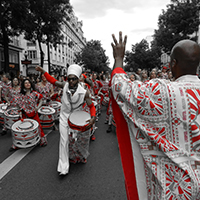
29, 101
73, 97
46, 89
10, 95
4, 86
105, 88
12, 92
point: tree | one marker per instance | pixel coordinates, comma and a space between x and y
44, 22
179, 21
93, 57
12, 15
141, 56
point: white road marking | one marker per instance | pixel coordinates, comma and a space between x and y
14, 159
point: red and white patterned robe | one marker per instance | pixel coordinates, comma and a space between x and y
45, 91
159, 136
96, 86
13, 94
28, 103
4, 87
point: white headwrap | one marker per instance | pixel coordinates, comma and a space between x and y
75, 70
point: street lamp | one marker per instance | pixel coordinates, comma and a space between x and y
26, 55
26, 61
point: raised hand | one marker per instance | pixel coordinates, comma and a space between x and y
119, 47
39, 69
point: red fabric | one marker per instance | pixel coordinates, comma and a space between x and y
97, 85
88, 85
49, 78
84, 76
125, 147
92, 109
76, 127
34, 116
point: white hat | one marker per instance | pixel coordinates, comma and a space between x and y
75, 70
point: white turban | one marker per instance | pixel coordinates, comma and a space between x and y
74, 69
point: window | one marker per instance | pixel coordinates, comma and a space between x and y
32, 54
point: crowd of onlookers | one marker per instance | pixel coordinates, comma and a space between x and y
144, 75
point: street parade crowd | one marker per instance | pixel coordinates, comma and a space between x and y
157, 131
34, 97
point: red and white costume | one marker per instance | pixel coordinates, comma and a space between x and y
104, 90
70, 103
45, 90
4, 87
96, 86
28, 103
159, 136
13, 94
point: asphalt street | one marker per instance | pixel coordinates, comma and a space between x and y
35, 176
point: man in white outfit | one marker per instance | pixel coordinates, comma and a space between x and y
74, 95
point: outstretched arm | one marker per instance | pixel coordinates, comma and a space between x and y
119, 50
49, 78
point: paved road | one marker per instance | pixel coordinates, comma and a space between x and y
35, 176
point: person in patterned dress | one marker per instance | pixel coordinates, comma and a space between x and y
158, 127
74, 96
28, 102
4, 86
12, 93
46, 89
96, 84
104, 91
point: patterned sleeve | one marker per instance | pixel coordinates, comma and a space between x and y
38, 95
145, 99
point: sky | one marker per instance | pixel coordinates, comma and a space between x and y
135, 18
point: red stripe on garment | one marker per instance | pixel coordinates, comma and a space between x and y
125, 148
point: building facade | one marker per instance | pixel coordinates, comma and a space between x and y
60, 57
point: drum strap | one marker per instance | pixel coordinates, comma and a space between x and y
78, 128
30, 115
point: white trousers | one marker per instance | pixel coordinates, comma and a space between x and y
63, 162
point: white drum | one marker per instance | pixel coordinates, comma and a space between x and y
25, 133
77, 120
57, 106
10, 117
46, 115
79, 136
3, 108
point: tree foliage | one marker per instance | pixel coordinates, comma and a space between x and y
179, 21
141, 56
93, 57
12, 15
39, 20
45, 20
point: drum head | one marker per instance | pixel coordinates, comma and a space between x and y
26, 124
79, 118
12, 112
3, 107
55, 104
46, 110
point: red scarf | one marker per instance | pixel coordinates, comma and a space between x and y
125, 147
